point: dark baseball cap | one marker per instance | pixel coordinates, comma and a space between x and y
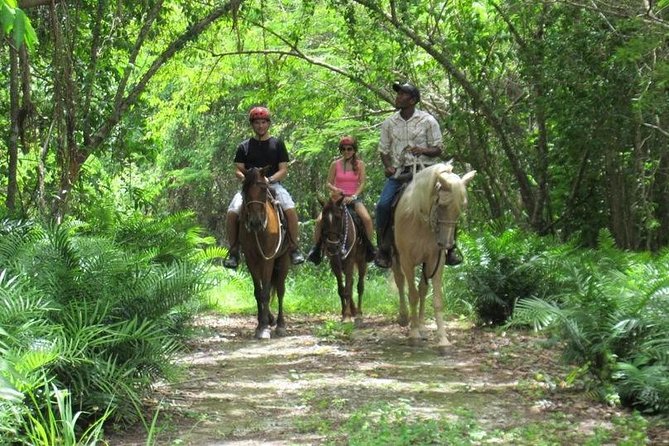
407, 88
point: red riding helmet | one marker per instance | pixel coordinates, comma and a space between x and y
259, 113
348, 141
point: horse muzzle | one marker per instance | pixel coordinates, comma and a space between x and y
446, 236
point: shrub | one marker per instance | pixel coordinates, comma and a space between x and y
501, 269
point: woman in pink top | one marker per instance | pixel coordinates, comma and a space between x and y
346, 178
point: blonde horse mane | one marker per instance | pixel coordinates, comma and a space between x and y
419, 197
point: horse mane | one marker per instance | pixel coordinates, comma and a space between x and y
250, 177
421, 191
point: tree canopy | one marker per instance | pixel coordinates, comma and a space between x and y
561, 106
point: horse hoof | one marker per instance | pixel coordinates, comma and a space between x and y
263, 334
443, 350
358, 322
280, 331
415, 342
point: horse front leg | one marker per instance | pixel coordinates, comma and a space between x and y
400, 282
280, 287
262, 300
443, 342
350, 311
414, 324
422, 292
362, 272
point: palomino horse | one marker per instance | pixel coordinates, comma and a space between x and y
346, 250
263, 242
424, 222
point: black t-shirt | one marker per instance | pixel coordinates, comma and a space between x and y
255, 153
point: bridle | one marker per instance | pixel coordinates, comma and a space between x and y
336, 239
269, 200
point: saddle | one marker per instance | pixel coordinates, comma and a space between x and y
279, 211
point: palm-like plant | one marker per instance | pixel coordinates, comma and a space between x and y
613, 320
108, 317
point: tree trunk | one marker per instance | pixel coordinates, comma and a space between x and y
13, 143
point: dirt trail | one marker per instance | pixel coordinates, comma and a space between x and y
302, 389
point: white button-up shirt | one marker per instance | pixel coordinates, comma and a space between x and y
420, 130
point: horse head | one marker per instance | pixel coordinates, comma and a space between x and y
333, 228
255, 194
451, 200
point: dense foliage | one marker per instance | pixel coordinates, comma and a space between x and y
94, 317
122, 117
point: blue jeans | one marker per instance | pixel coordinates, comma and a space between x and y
383, 206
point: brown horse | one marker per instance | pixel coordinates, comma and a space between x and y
262, 238
424, 222
344, 246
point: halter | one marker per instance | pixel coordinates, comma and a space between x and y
340, 243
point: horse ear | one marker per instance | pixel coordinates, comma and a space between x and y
321, 200
468, 177
265, 170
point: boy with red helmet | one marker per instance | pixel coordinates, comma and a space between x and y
259, 151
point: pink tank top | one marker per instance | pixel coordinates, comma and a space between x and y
346, 181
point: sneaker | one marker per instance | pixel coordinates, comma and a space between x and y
382, 259
452, 258
315, 255
296, 257
231, 261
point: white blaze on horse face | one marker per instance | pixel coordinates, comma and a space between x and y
447, 216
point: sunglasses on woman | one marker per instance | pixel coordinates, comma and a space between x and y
347, 149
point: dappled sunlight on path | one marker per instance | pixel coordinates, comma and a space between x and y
302, 389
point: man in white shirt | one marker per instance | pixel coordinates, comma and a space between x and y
410, 140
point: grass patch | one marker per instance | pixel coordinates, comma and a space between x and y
309, 290
382, 424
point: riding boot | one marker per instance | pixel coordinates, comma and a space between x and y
296, 257
315, 254
382, 257
232, 226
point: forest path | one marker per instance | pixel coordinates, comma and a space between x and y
493, 388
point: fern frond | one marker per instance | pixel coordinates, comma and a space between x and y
537, 313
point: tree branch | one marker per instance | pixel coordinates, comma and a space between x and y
122, 105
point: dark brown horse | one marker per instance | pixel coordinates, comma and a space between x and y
263, 241
344, 245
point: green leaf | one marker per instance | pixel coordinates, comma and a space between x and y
6, 17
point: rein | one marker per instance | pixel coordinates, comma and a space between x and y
340, 244
268, 201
